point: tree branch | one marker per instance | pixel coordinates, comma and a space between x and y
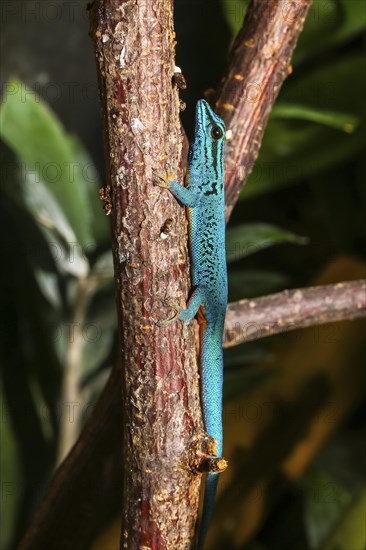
259, 63
293, 309
135, 52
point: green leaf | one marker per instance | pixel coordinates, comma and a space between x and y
49, 286
59, 236
336, 85
98, 341
329, 24
293, 150
340, 121
103, 267
33, 132
325, 504
11, 482
350, 531
246, 239
101, 317
234, 13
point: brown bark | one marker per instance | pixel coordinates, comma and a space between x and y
293, 309
135, 51
259, 63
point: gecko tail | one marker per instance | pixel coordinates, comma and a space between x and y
208, 507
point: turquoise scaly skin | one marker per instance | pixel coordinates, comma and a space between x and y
205, 202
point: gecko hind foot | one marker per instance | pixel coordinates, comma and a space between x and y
166, 322
180, 313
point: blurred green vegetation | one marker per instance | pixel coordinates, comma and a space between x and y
305, 195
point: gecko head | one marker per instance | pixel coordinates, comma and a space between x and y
207, 149
209, 126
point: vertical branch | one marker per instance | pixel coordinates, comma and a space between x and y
134, 44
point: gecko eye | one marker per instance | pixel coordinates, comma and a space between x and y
216, 132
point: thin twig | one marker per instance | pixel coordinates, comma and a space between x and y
293, 309
71, 401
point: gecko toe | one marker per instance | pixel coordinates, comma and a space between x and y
166, 322
159, 179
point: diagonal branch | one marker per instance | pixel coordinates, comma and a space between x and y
259, 63
293, 309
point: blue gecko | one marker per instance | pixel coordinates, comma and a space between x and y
205, 202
